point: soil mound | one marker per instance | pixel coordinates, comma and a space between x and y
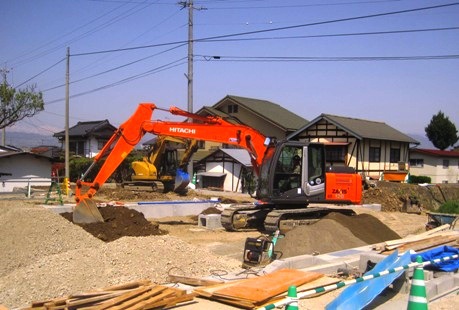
332, 233
365, 227
119, 222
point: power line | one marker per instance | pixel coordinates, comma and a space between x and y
275, 29
287, 6
167, 66
334, 35
322, 59
47, 69
115, 68
258, 39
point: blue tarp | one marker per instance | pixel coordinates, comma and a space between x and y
360, 294
439, 252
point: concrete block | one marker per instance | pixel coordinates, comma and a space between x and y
370, 256
210, 221
373, 206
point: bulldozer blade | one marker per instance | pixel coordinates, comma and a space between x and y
86, 212
182, 179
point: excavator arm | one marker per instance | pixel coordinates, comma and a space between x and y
129, 134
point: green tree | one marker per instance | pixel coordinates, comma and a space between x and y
441, 131
17, 104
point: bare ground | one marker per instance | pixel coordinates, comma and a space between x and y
45, 256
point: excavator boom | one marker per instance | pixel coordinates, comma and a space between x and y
129, 134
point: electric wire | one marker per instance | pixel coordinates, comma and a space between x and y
323, 59
170, 65
275, 29
209, 57
40, 73
113, 69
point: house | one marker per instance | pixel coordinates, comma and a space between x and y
440, 166
87, 138
225, 169
271, 119
23, 169
374, 149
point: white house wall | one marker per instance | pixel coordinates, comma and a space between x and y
91, 147
25, 169
433, 168
232, 171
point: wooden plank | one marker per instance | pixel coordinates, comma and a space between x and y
134, 303
120, 299
192, 281
153, 301
424, 244
440, 234
172, 301
74, 302
125, 286
267, 286
418, 236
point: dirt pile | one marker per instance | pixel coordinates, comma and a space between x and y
45, 256
332, 233
119, 222
392, 196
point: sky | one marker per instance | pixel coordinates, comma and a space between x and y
389, 61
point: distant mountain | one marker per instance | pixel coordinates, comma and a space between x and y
425, 142
25, 140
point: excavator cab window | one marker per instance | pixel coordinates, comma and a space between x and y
288, 169
315, 173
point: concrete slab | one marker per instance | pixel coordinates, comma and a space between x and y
158, 209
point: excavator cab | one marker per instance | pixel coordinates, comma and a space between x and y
298, 172
294, 172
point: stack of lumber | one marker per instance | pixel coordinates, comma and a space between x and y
257, 292
133, 295
439, 236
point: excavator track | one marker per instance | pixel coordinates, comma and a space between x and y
285, 219
243, 217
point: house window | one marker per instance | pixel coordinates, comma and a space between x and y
445, 163
335, 153
416, 163
101, 143
394, 155
375, 154
233, 108
76, 147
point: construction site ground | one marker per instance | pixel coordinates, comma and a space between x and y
44, 255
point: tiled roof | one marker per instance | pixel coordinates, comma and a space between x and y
362, 128
286, 119
85, 129
436, 153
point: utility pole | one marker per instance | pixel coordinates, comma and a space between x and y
190, 56
189, 4
4, 72
67, 152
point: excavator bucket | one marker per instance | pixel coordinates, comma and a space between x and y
182, 179
86, 212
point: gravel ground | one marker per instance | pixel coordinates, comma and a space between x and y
44, 256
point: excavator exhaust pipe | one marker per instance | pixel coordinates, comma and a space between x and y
86, 212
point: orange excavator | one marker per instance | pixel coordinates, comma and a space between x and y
291, 174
